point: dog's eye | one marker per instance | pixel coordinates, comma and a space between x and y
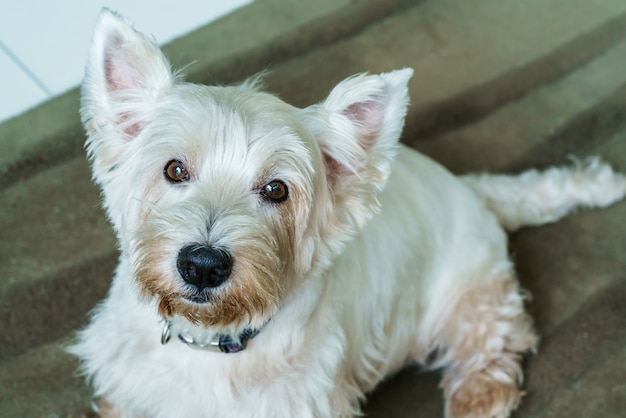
176, 172
275, 191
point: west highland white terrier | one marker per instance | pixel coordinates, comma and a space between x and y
280, 262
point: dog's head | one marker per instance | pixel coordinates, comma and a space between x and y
225, 199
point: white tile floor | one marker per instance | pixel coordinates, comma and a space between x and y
43, 44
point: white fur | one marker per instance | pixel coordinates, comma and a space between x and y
535, 198
385, 256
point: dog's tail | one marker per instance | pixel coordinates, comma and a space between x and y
538, 197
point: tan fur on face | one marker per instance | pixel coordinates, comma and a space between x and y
263, 270
288, 229
252, 290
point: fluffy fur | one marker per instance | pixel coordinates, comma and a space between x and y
378, 257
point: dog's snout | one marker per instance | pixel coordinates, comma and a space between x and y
204, 266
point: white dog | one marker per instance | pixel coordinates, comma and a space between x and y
280, 262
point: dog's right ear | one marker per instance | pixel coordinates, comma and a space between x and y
125, 74
357, 129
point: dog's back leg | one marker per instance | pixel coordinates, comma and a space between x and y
538, 197
480, 338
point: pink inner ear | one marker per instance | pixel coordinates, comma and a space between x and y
117, 78
368, 117
121, 75
335, 171
118, 69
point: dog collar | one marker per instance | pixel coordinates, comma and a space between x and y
221, 343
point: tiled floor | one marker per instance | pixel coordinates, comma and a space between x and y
43, 44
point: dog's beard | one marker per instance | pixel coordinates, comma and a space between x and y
252, 292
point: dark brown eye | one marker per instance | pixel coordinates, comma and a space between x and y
176, 172
275, 191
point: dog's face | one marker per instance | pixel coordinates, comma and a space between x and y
226, 196
225, 199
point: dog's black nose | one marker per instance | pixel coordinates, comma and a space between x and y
203, 266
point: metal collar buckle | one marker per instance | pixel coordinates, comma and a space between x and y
221, 343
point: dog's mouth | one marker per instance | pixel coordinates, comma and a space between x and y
197, 296
197, 299
210, 289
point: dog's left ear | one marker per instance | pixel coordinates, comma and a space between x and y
126, 72
357, 128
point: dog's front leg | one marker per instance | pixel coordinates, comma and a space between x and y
481, 348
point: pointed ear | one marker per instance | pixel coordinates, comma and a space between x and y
357, 128
125, 74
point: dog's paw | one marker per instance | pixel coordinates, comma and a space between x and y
480, 396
